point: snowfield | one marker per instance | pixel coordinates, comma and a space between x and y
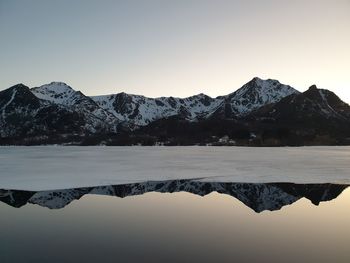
60, 167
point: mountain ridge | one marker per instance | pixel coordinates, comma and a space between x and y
56, 110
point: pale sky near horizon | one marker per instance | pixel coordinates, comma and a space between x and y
178, 48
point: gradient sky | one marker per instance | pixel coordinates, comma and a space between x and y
178, 48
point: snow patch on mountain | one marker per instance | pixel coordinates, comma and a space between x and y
325, 107
14, 91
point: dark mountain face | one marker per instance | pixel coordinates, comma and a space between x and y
329, 104
313, 103
17, 95
315, 117
27, 119
260, 113
258, 197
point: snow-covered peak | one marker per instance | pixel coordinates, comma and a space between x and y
55, 87
58, 93
62, 94
58, 84
257, 93
267, 89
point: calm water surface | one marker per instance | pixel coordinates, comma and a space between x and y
178, 227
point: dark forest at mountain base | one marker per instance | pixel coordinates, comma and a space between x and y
175, 132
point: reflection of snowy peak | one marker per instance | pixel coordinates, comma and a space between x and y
57, 199
258, 197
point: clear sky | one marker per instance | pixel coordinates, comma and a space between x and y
178, 48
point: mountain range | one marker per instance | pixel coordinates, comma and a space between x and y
260, 113
257, 196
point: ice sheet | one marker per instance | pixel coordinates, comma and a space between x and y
59, 167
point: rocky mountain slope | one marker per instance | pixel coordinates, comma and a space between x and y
261, 112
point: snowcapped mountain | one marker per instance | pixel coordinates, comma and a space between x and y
257, 93
139, 110
257, 112
258, 196
29, 118
60, 93
23, 114
107, 112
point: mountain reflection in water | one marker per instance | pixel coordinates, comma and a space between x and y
257, 196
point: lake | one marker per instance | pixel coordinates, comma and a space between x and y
174, 204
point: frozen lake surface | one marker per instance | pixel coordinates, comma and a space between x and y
59, 167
